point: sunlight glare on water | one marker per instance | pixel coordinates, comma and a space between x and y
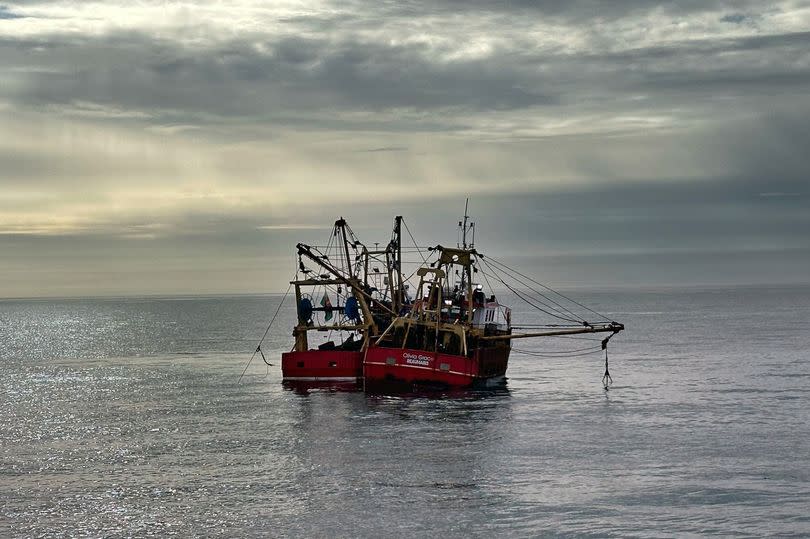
125, 417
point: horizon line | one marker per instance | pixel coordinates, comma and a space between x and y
605, 288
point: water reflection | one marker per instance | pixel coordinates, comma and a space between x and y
301, 387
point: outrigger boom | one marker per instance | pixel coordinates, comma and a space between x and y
596, 328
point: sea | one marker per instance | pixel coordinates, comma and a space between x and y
145, 417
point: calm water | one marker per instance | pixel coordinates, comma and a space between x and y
126, 418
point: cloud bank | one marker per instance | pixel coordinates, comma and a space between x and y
172, 130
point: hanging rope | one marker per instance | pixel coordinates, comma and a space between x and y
259, 347
607, 380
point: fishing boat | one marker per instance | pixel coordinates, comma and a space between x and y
452, 332
456, 333
365, 299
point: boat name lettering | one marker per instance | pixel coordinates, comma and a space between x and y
414, 359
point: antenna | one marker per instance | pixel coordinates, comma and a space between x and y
466, 226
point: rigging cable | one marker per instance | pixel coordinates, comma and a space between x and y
504, 309
552, 290
424, 260
607, 379
563, 353
592, 339
524, 298
562, 309
558, 313
259, 347
418, 268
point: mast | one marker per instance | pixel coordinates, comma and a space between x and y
464, 225
466, 273
397, 297
340, 225
353, 282
300, 334
365, 268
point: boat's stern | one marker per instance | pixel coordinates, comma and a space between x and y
322, 365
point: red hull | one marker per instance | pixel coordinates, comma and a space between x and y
322, 365
418, 367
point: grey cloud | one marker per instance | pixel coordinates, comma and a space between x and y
735, 18
290, 79
299, 78
571, 11
393, 84
6, 14
792, 42
235, 80
386, 149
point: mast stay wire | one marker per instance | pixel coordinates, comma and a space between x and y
414, 241
354, 243
418, 268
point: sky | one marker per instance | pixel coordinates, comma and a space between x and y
185, 148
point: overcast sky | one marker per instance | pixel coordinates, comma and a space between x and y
155, 147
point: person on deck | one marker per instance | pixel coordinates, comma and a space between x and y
478, 296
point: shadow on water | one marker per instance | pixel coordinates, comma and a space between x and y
442, 394
304, 388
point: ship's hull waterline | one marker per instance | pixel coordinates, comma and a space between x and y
396, 366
